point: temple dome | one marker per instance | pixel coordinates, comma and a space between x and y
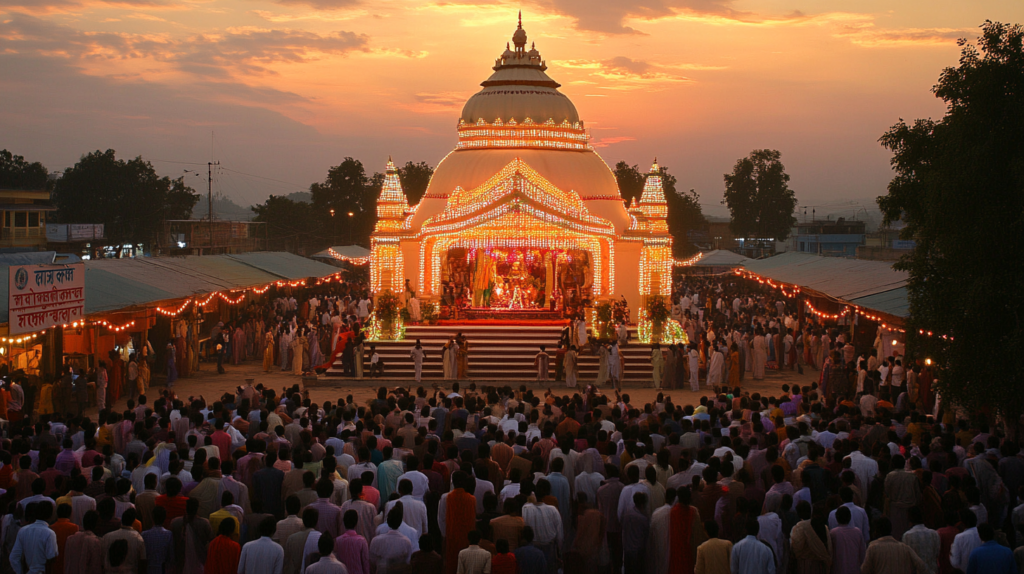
519, 92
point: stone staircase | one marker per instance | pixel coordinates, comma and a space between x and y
496, 352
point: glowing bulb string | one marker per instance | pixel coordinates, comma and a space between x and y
850, 308
353, 260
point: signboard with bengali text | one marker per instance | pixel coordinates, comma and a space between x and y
44, 296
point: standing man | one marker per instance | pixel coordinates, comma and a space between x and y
36, 544
418, 354
635, 530
694, 362
540, 362
923, 540
263, 555
101, 386
750, 555
713, 556
886, 555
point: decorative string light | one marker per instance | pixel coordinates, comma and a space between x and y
688, 262
22, 338
527, 135
353, 260
175, 312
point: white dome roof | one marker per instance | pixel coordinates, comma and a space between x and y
519, 89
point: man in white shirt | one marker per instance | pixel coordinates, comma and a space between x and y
965, 542
858, 517
391, 548
36, 544
414, 512
327, 564
263, 555
545, 521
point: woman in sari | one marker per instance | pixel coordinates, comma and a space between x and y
316, 357
144, 374
268, 350
283, 343
734, 366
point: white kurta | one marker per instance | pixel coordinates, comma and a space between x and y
715, 369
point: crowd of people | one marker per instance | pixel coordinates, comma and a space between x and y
508, 480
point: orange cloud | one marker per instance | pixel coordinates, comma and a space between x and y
605, 142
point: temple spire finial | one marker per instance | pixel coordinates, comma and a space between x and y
520, 20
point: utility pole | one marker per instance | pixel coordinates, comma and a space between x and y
209, 198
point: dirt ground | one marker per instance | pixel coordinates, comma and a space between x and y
211, 386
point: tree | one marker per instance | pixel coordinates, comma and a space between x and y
759, 198
959, 187
415, 177
347, 189
127, 197
684, 212
291, 225
16, 173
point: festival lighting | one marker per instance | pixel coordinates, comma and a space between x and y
528, 135
353, 260
688, 262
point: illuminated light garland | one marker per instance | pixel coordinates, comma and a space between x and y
177, 311
23, 338
510, 135
261, 290
208, 299
353, 260
228, 300
322, 280
855, 309
824, 315
688, 262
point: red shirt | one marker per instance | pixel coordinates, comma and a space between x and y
222, 441
222, 556
175, 506
504, 564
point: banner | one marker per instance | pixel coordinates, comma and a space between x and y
44, 296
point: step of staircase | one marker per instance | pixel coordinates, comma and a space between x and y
496, 352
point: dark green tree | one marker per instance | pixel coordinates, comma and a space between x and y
127, 197
758, 196
347, 189
415, 177
684, 212
16, 173
291, 225
959, 187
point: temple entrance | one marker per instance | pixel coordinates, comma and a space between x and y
502, 279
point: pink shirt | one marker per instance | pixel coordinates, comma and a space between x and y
353, 551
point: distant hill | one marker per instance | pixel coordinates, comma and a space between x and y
223, 208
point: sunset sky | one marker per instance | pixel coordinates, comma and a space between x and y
278, 91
